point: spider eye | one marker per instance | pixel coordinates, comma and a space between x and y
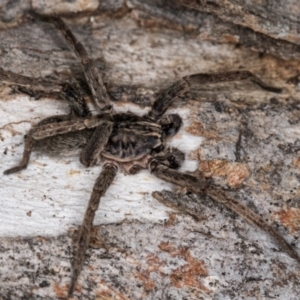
170, 124
108, 107
172, 162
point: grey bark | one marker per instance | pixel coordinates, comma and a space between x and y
251, 147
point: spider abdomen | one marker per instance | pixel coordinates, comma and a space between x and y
67, 144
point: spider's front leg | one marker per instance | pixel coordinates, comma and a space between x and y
250, 216
192, 183
199, 186
167, 96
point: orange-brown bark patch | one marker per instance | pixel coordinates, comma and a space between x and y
62, 291
196, 128
106, 292
187, 275
235, 173
290, 218
296, 162
171, 221
154, 265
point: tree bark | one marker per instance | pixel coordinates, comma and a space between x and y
242, 138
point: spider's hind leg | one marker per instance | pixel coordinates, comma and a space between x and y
92, 75
29, 140
26, 155
68, 91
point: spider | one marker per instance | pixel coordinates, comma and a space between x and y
121, 141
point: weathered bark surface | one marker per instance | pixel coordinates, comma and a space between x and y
279, 20
251, 148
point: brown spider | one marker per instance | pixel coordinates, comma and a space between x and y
122, 140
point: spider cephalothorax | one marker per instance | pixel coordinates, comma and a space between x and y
121, 140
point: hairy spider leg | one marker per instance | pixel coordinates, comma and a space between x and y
29, 141
202, 78
77, 103
251, 217
66, 125
199, 186
26, 155
167, 96
68, 91
92, 75
34, 83
101, 185
91, 153
192, 183
57, 125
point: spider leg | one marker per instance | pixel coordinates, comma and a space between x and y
91, 153
91, 73
70, 124
29, 141
26, 155
29, 82
68, 91
101, 185
197, 185
192, 183
203, 78
166, 97
247, 214
171, 157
